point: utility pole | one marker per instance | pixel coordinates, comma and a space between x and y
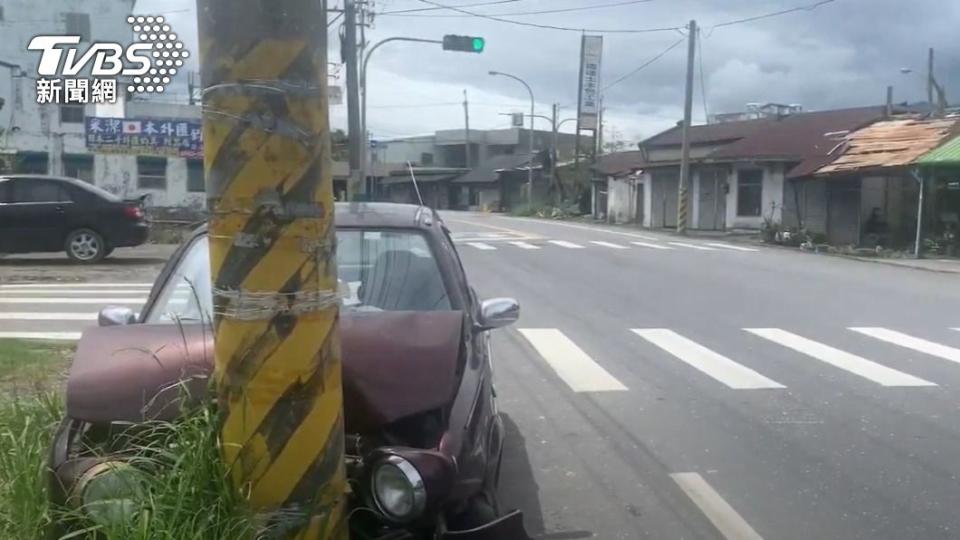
930, 78
682, 197
555, 152
277, 364
466, 123
357, 183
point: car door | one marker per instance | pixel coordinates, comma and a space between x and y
38, 214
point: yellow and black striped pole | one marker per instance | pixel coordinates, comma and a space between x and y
272, 249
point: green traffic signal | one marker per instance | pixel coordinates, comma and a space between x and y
471, 44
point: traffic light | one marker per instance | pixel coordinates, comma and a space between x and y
463, 43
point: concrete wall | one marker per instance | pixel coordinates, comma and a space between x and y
622, 201
771, 199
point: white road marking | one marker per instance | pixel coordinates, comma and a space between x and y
651, 246
610, 245
524, 245
582, 227
857, 365
911, 342
721, 368
103, 301
4, 292
78, 285
723, 516
481, 246
46, 316
574, 366
57, 336
564, 243
730, 246
691, 246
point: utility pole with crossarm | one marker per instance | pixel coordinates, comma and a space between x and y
272, 256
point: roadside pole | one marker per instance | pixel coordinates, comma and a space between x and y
682, 192
357, 182
272, 246
466, 126
555, 153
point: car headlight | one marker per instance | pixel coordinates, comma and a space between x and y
397, 489
111, 492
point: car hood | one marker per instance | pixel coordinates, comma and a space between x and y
395, 364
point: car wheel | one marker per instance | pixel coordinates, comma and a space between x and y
85, 246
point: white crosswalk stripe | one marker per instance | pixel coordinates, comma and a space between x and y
692, 246
524, 245
610, 245
57, 336
857, 365
715, 365
911, 342
62, 300
46, 316
651, 246
570, 362
723, 516
481, 246
565, 244
731, 247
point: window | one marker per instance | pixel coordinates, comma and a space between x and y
195, 176
78, 166
749, 192
31, 163
29, 190
71, 114
377, 271
151, 173
78, 24
426, 159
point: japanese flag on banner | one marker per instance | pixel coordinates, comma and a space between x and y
131, 127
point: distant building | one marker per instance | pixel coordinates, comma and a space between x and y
448, 148
756, 111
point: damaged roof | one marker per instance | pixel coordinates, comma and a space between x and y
891, 143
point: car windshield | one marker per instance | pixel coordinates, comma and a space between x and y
378, 270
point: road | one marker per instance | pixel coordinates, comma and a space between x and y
681, 389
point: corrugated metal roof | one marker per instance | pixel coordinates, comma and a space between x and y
948, 154
892, 143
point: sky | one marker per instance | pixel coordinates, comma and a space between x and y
841, 53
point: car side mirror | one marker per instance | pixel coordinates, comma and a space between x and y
116, 316
498, 312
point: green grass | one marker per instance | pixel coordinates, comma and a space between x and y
32, 363
185, 491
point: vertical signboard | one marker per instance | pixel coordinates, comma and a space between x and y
591, 52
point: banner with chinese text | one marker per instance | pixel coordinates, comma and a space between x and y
145, 136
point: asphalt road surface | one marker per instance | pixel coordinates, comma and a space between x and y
678, 389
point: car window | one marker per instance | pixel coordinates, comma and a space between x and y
377, 271
38, 191
98, 191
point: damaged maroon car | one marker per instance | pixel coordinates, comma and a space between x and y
423, 436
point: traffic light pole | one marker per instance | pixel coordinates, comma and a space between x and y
683, 191
364, 90
272, 260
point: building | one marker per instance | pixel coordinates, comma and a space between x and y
53, 139
743, 173
448, 148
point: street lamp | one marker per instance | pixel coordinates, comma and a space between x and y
532, 113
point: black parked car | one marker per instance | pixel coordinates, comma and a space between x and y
48, 213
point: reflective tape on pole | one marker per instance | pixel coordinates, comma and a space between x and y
272, 248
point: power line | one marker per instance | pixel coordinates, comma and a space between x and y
550, 26
806, 7
541, 12
645, 64
477, 4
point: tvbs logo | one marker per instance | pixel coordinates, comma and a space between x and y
147, 65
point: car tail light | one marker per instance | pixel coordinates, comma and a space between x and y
133, 212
